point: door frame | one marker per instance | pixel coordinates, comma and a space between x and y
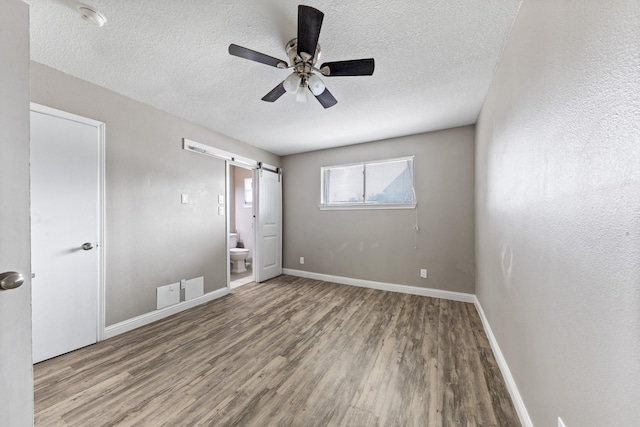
100, 126
230, 159
253, 168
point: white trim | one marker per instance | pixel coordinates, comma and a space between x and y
102, 179
365, 206
228, 191
437, 293
393, 159
504, 368
145, 319
102, 212
43, 109
391, 287
227, 219
207, 150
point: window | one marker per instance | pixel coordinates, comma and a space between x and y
379, 184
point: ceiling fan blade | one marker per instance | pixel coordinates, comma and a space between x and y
252, 55
354, 67
275, 93
309, 24
326, 99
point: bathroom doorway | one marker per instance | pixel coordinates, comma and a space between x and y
252, 205
241, 225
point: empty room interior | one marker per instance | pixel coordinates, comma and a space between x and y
404, 213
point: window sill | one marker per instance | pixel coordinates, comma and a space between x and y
367, 206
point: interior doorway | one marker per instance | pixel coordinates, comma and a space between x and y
241, 225
262, 240
66, 231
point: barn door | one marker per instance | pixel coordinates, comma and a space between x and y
269, 223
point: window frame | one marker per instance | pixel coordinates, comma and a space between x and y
364, 204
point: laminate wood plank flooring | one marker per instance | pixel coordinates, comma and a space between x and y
286, 352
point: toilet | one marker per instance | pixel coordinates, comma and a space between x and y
238, 255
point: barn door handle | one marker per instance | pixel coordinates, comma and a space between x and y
11, 280
87, 246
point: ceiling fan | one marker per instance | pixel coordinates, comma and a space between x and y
303, 53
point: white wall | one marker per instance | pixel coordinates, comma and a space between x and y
558, 210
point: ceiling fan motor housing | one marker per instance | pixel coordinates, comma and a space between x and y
297, 62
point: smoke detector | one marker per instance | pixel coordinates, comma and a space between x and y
91, 15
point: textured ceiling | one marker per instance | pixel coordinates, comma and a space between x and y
434, 63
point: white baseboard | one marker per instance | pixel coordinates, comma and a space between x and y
437, 293
413, 290
504, 368
145, 319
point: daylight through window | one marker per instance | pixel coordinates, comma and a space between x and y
383, 183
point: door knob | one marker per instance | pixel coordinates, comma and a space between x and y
87, 246
11, 280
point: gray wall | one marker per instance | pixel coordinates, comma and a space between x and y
16, 374
380, 245
151, 238
558, 210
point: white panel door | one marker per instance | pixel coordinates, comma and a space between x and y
16, 380
65, 232
269, 225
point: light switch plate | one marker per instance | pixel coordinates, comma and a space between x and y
184, 198
221, 199
220, 210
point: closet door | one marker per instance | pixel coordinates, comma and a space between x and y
65, 228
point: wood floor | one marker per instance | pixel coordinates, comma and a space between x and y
287, 352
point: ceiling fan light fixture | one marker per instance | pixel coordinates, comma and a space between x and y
316, 84
303, 93
291, 83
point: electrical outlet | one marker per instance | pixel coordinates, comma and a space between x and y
220, 210
423, 273
220, 199
560, 422
301, 260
